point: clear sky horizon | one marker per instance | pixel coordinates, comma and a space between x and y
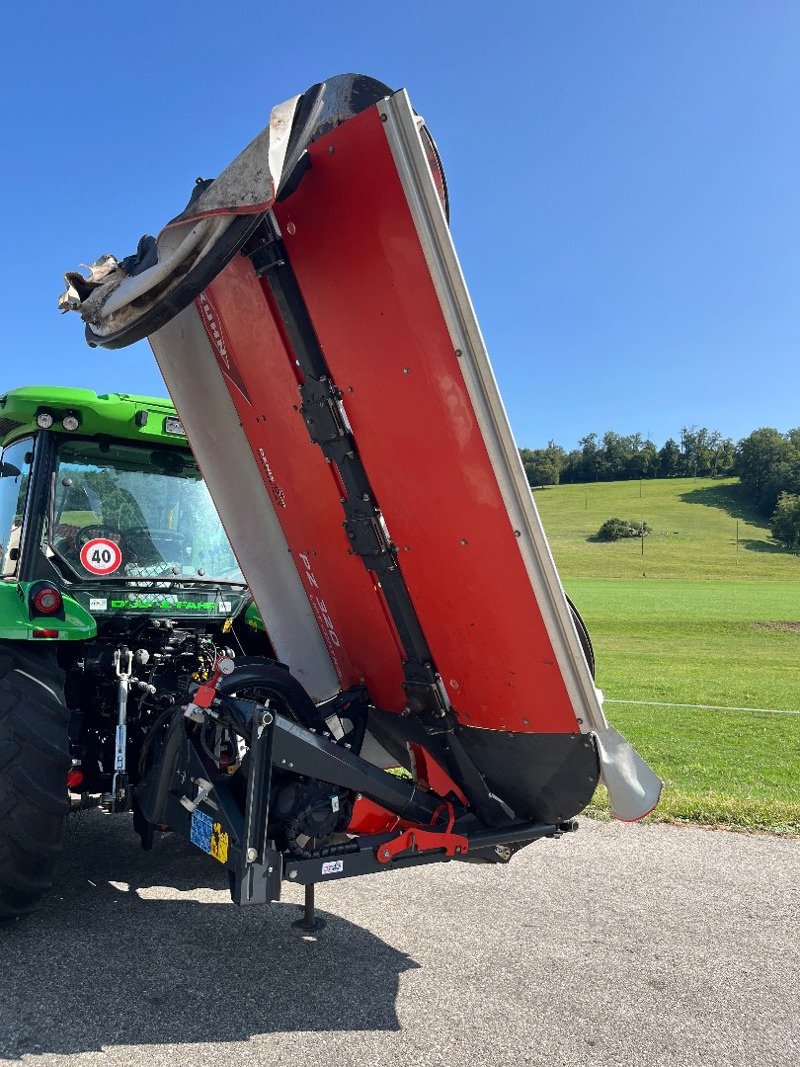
623, 180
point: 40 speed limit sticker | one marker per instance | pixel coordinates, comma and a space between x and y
101, 556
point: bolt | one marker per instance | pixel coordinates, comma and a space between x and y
384, 118
292, 874
458, 850
252, 855
331, 149
459, 353
503, 852
386, 853
291, 228
517, 533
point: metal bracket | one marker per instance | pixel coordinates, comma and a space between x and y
264, 252
366, 533
416, 840
322, 411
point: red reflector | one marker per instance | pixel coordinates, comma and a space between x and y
47, 601
74, 778
45, 633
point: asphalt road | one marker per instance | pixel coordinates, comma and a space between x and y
616, 945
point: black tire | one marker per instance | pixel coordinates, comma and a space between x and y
583, 637
34, 759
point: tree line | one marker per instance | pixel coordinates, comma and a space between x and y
614, 457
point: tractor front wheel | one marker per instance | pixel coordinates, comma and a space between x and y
34, 759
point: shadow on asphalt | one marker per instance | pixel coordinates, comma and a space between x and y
120, 955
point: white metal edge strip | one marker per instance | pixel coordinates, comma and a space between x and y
402, 134
194, 380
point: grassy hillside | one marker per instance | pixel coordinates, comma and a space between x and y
691, 624
694, 531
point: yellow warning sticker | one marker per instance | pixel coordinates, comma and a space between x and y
219, 843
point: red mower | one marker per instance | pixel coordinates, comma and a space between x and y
431, 695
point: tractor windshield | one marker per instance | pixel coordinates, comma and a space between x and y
125, 511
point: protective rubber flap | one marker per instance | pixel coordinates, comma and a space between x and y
633, 788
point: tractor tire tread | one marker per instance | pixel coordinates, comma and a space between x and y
34, 759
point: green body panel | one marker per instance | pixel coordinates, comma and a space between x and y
104, 602
252, 618
111, 414
17, 625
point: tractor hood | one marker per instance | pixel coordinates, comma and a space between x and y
310, 318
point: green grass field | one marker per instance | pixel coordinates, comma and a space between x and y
692, 622
694, 531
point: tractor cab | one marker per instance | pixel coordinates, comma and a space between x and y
102, 501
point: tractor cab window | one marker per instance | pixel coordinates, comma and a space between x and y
128, 511
14, 478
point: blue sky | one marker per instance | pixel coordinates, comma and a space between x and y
624, 182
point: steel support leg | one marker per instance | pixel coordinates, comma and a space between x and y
310, 921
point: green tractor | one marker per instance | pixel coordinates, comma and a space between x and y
119, 588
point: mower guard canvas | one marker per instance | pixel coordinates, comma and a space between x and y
311, 321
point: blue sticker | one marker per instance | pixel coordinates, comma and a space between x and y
202, 826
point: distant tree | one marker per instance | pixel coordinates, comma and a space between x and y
543, 466
649, 459
669, 460
572, 467
705, 452
768, 463
615, 456
786, 521
590, 458
725, 458
641, 457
